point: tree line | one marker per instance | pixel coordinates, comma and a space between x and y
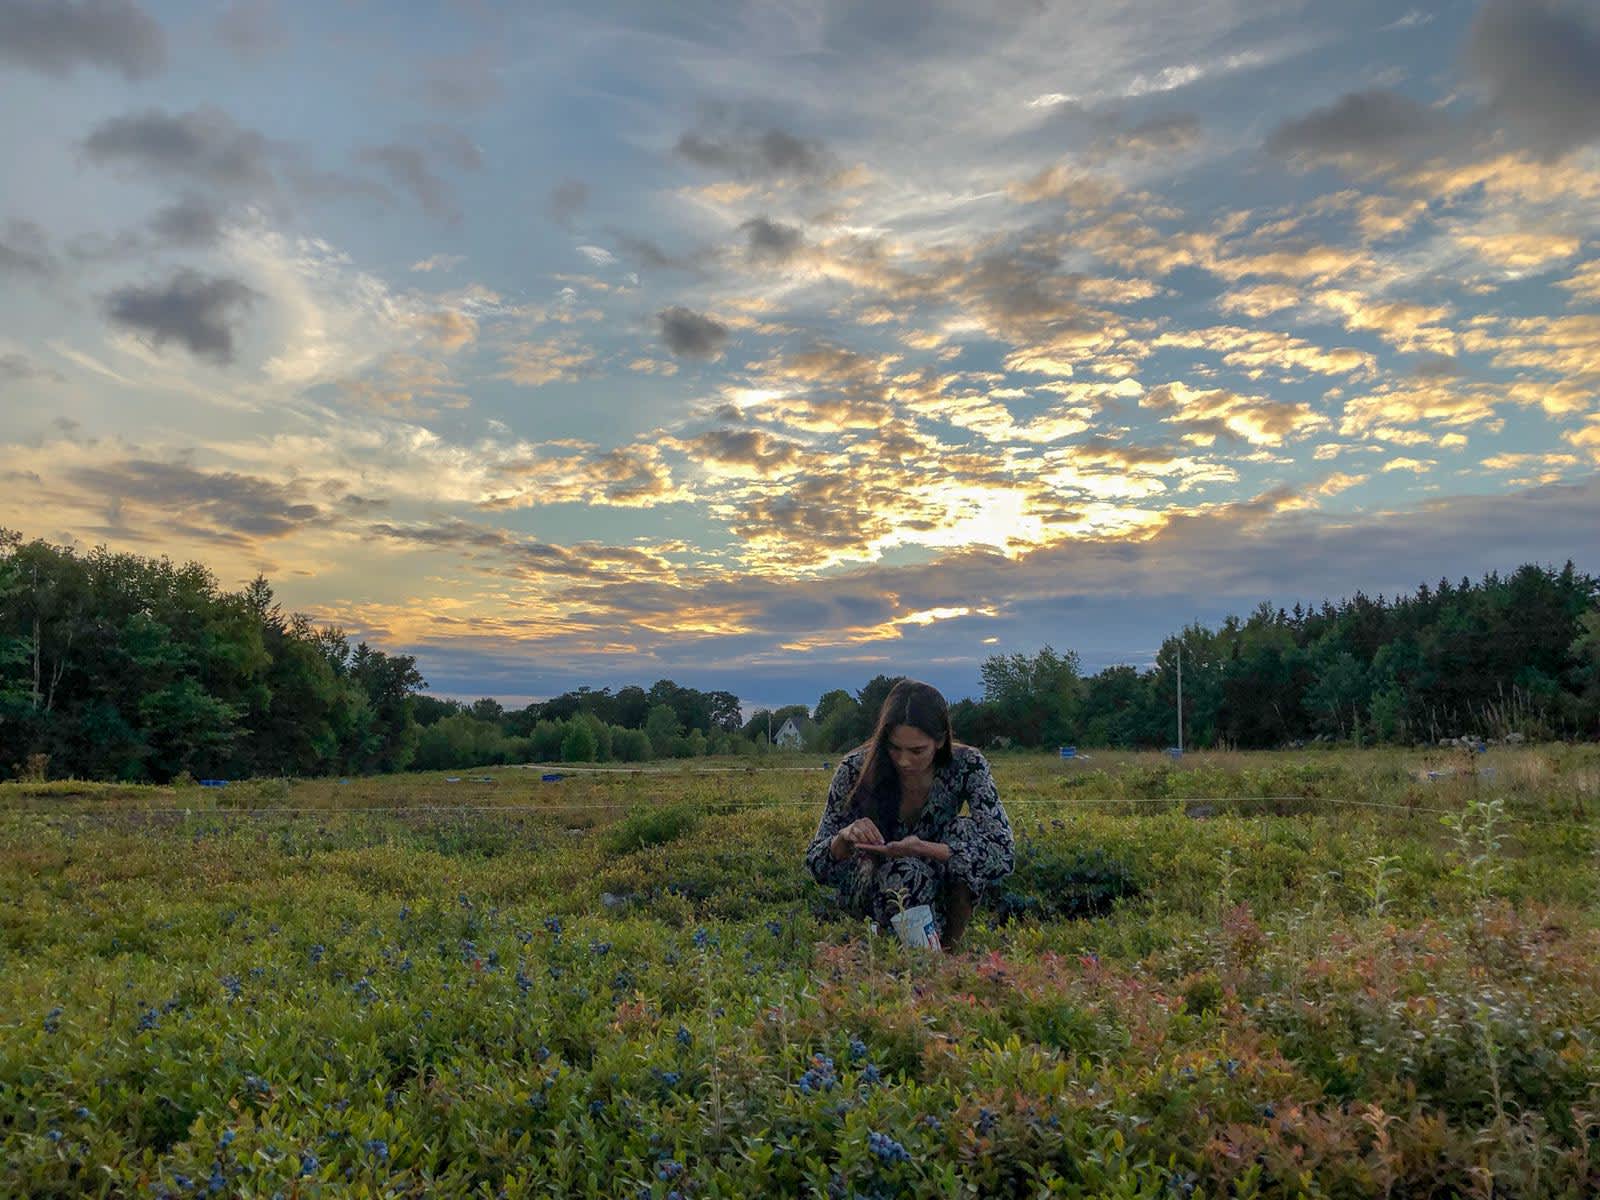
116, 666
633, 724
1516, 654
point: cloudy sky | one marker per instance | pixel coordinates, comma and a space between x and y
771, 345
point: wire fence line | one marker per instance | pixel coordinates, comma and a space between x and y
558, 808
715, 806
569, 769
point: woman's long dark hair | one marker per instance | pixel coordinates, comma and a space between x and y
877, 791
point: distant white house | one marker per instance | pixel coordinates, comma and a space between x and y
789, 736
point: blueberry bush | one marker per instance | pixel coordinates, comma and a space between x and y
506, 987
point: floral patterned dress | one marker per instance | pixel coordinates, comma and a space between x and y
983, 850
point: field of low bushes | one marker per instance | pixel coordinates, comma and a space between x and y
1315, 974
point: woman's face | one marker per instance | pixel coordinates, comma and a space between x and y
911, 750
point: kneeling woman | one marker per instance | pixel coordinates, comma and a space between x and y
892, 831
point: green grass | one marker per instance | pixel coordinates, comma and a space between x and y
1302, 982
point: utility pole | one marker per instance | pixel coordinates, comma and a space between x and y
1180, 697
38, 639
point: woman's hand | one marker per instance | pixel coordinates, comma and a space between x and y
861, 834
911, 847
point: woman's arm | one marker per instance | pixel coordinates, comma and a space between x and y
836, 816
